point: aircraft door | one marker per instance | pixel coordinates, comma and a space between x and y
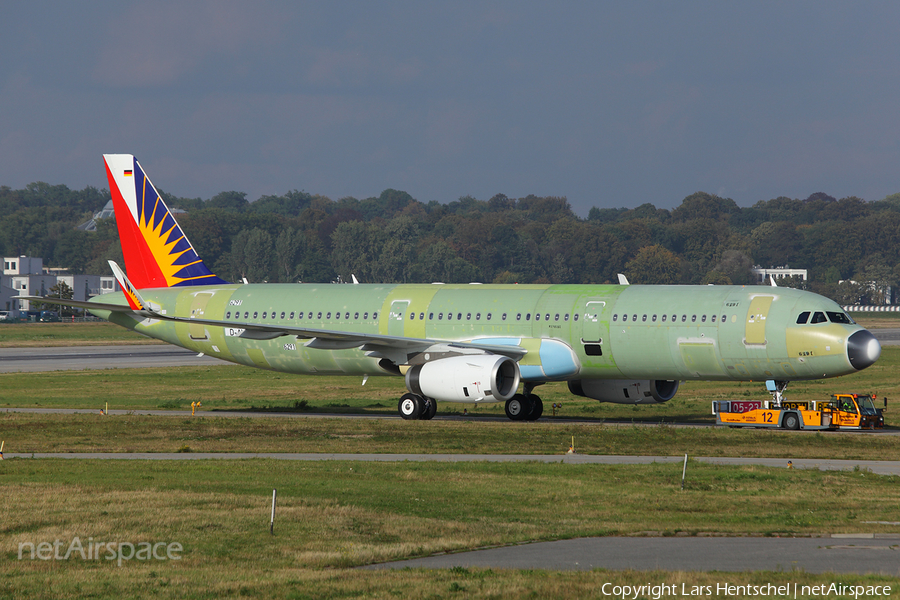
591, 330
396, 317
198, 332
755, 330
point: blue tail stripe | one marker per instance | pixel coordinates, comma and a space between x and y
174, 234
181, 246
194, 270
188, 257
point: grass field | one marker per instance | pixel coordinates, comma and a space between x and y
21, 335
335, 516
25, 433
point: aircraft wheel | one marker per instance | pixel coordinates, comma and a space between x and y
791, 421
518, 407
410, 406
430, 409
537, 408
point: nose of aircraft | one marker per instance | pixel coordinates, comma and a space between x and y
862, 349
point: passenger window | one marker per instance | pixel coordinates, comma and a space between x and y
412, 316
615, 318
292, 316
644, 318
245, 315
713, 318
723, 318
264, 314
503, 317
375, 315
489, 316
449, 316
703, 319
818, 317
664, 319
477, 316
228, 315
556, 317
803, 318
468, 316
431, 316
459, 316
440, 316
365, 316
356, 316
328, 316
421, 316
653, 318
346, 315
527, 316
576, 316
518, 316
683, 318
566, 317
282, 315
634, 318
254, 314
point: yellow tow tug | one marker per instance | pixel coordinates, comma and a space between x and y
842, 411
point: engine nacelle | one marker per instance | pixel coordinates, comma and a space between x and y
470, 378
623, 391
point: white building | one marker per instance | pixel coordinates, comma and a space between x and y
776, 273
23, 265
7, 293
28, 277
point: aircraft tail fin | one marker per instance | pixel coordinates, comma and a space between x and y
156, 251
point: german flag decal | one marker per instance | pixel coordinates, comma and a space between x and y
128, 173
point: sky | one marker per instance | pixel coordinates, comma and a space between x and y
608, 103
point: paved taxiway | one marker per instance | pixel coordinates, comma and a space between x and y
861, 554
880, 467
76, 358
67, 358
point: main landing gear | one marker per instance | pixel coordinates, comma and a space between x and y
413, 407
525, 407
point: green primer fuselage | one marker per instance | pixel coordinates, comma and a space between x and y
613, 331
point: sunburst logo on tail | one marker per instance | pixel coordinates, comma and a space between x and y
156, 251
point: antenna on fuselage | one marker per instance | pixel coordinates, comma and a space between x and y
623, 280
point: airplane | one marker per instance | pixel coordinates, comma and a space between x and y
474, 343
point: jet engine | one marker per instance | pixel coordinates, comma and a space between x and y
469, 378
623, 391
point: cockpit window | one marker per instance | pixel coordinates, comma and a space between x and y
803, 318
819, 317
840, 317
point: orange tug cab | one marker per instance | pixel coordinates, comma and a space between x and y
842, 411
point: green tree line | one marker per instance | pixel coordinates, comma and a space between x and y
395, 238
